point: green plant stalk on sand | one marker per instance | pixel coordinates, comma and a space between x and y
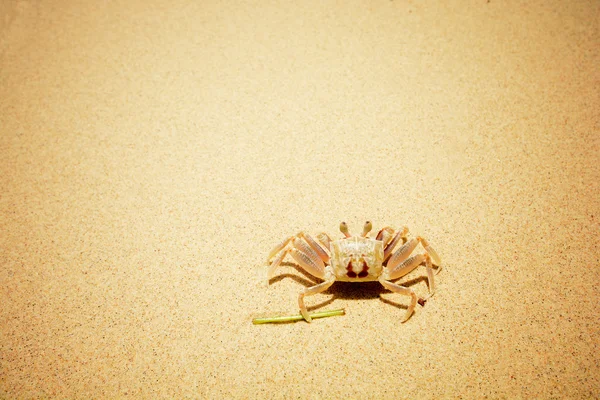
299, 317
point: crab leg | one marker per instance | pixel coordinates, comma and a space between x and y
403, 252
387, 230
406, 267
430, 277
315, 246
310, 249
311, 264
278, 248
325, 240
309, 252
276, 262
434, 255
386, 236
390, 247
402, 290
321, 287
412, 263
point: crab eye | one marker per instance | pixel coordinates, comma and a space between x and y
367, 228
344, 229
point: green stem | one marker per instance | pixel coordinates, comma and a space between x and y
299, 317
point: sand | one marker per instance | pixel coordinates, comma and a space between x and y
153, 152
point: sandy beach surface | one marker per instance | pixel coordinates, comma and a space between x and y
153, 152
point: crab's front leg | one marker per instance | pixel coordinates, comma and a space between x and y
325, 240
321, 287
390, 241
402, 290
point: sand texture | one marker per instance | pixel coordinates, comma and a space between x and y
153, 152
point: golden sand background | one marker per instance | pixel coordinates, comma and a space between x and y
152, 153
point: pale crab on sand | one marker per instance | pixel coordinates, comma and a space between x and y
357, 259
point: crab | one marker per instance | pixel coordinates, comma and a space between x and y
357, 258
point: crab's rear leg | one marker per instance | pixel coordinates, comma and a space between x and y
399, 264
279, 253
434, 255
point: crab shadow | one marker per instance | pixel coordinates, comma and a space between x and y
350, 290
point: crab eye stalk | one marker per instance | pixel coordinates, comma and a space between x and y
344, 229
367, 228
